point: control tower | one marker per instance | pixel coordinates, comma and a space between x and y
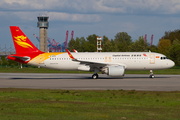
43, 25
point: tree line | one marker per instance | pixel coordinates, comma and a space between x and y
168, 45
5, 62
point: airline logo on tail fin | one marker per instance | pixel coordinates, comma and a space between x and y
21, 41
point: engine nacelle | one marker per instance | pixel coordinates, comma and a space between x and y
114, 71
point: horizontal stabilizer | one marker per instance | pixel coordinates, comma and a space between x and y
23, 58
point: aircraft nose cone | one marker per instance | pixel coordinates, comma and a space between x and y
171, 64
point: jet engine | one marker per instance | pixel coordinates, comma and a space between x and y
114, 71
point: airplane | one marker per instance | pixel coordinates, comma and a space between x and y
111, 63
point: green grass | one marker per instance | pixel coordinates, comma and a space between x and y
32, 104
44, 70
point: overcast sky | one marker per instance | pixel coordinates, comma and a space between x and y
87, 17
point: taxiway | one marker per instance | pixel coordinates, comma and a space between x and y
85, 82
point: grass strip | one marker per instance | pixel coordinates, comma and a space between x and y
79, 105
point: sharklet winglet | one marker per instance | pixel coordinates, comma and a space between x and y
70, 55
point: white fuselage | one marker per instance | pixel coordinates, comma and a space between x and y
130, 60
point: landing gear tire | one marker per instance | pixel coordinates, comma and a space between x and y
95, 76
151, 76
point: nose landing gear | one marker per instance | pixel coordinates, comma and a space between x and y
151, 74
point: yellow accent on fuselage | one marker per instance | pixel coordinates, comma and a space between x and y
42, 57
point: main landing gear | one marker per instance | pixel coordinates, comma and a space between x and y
95, 76
151, 74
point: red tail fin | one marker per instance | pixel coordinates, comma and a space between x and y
21, 42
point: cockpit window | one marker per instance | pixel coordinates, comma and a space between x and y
163, 58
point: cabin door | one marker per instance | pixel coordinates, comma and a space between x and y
152, 58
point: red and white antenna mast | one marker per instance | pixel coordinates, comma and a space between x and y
99, 44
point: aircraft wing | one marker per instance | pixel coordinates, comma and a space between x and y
93, 63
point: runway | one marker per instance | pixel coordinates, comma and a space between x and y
85, 82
